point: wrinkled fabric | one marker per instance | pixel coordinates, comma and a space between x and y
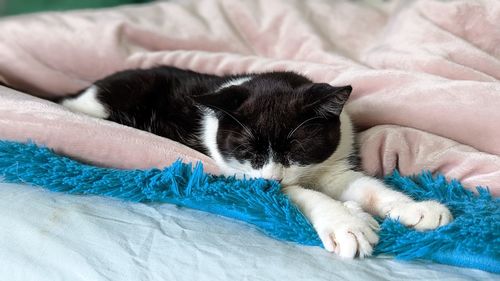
401, 148
49, 236
428, 68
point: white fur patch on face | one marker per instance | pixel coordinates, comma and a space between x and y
87, 103
270, 170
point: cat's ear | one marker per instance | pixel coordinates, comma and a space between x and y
325, 99
227, 99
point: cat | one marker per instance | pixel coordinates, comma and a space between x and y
275, 125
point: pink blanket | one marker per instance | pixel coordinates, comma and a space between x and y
425, 75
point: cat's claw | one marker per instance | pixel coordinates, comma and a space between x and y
348, 238
424, 215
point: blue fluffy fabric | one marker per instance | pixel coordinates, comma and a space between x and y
471, 240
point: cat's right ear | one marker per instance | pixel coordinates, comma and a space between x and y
325, 99
227, 99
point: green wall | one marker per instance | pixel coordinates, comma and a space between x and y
13, 7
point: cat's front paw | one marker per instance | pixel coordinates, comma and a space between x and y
424, 215
355, 209
348, 235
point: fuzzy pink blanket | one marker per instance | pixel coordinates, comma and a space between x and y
425, 74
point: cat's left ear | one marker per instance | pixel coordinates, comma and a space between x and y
325, 99
227, 99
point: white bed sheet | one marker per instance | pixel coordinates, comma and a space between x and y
51, 236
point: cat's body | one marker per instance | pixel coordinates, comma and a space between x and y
275, 125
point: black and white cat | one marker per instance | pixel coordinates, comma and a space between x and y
277, 125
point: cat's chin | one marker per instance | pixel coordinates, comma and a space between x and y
256, 174
240, 175
236, 175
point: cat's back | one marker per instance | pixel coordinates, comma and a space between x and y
162, 79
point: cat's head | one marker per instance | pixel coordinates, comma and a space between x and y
266, 125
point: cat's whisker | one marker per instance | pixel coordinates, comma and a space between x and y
298, 142
237, 147
237, 121
234, 132
296, 128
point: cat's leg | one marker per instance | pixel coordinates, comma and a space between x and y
378, 199
87, 102
114, 97
339, 227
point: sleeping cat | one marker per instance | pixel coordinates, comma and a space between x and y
277, 125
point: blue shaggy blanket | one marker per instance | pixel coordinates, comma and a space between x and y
471, 240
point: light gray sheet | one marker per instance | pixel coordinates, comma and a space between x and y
49, 236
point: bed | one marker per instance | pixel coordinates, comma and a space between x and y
421, 70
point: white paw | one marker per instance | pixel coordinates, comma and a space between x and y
87, 102
421, 215
346, 234
355, 209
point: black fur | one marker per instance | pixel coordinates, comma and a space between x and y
158, 100
284, 111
